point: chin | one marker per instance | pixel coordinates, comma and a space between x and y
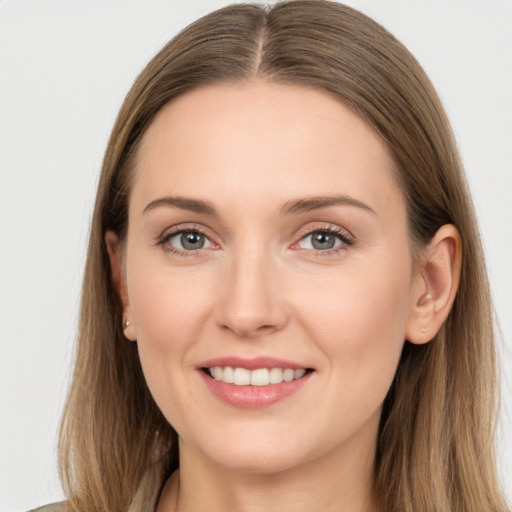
262, 463
257, 454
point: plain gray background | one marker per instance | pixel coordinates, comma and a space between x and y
65, 67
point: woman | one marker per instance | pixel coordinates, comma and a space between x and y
284, 293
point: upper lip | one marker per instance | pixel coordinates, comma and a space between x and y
251, 363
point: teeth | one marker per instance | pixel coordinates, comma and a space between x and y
299, 374
276, 376
241, 377
288, 374
228, 375
259, 377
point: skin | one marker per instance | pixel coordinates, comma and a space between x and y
259, 287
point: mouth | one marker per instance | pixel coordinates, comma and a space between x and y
254, 383
260, 377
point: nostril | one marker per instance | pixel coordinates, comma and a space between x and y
265, 328
248, 327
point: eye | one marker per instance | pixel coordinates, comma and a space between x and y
324, 240
187, 240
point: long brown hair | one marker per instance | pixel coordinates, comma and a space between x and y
435, 444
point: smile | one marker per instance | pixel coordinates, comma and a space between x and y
254, 383
257, 377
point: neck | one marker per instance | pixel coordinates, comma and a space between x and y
339, 481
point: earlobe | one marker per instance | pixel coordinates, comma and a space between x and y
435, 285
119, 281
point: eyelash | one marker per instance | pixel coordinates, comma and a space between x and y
345, 238
163, 239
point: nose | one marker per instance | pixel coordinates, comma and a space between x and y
251, 297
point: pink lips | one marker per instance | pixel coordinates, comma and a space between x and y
251, 364
252, 397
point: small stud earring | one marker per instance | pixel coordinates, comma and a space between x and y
424, 329
126, 324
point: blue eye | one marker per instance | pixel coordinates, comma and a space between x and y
323, 240
187, 240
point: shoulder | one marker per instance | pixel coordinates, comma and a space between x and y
53, 507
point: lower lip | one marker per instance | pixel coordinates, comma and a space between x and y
253, 397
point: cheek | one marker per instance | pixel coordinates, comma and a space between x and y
167, 307
359, 320
359, 326
166, 304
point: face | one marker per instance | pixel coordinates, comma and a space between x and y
267, 241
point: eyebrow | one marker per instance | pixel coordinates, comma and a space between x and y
183, 203
293, 207
315, 203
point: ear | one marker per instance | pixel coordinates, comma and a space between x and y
119, 281
435, 285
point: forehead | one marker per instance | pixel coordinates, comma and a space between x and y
261, 138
